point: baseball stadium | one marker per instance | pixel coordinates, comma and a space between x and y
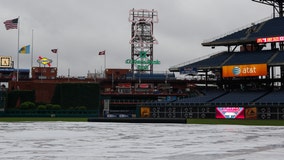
242, 82
248, 76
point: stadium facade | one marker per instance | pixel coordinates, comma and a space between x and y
243, 82
248, 79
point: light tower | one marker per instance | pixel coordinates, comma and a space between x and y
142, 39
277, 5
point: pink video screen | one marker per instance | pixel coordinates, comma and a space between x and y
230, 113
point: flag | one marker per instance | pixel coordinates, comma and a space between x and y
102, 52
54, 50
11, 24
25, 50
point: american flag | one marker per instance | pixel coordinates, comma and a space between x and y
102, 52
54, 50
11, 24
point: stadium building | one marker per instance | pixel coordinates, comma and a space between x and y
248, 82
243, 82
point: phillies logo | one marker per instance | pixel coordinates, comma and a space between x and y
44, 61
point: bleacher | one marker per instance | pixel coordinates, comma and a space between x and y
235, 98
240, 34
272, 97
250, 57
278, 59
239, 97
271, 27
237, 58
206, 97
151, 76
213, 61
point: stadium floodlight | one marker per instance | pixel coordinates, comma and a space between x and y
142, 38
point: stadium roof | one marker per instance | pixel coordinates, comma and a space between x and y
270, 28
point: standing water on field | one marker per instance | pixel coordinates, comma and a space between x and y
128, 141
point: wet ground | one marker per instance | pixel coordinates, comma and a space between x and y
128, 141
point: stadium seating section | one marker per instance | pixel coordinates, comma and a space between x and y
271, 27
272, 57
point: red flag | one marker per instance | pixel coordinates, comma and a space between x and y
54, 50
102, 52
11, 24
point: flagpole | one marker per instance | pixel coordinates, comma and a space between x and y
57, 59
32, 52
105, 66
18, 49
105, 61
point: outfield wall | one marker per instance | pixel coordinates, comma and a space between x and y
210, 112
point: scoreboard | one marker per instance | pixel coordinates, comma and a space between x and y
182, 112
271, 112
5, 62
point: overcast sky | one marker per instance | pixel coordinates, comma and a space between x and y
82, 28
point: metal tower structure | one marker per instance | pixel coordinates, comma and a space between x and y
277, 5
142, 39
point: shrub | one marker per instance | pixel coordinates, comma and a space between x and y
49, 106
56, 107
81, 108
41, 107
28, 105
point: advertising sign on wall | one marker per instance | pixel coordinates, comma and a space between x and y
145, 112
249, 70
230, 112
251, 113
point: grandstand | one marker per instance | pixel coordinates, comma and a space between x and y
261, 43
249, 74
271, 28
146, 76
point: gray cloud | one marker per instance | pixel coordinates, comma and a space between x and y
82, 28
